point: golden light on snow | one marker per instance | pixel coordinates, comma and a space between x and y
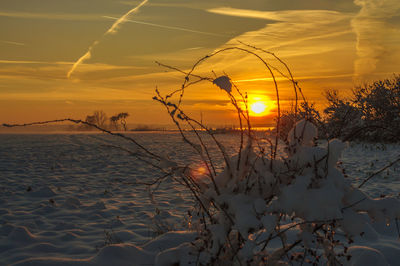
199, 171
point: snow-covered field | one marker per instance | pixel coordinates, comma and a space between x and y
75, 198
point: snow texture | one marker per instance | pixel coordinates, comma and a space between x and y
70, 200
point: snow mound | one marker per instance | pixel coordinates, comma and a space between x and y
123, 254
72, 203
21, 234
303, 133
169, 240
43, 192
366, 256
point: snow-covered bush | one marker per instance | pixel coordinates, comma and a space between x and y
296, 208
341, 116
305, 111
372, 113
267, 209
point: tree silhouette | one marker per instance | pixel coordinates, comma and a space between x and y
114, 122
100, 118
120, 118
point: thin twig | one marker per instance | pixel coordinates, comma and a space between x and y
353, 204
378, 172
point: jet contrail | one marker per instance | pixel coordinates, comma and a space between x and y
14, 43
171, 27
111, 30
122, 19
84, 57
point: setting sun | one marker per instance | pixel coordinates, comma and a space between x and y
258, 107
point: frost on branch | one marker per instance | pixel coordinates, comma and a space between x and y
303, 133
299, 208
224, 83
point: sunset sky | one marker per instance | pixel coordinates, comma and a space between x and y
62, 58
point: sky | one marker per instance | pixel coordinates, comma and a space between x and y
65, 59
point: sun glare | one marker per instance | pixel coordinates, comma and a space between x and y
259, 106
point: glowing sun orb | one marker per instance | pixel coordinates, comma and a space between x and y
258, 107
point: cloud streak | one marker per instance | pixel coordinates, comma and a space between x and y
297, 78
51, 16
375, 34
291, 27
170, 27
297, 33
297, 16
13, 43
112, 30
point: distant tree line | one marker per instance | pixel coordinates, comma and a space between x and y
100, 119
371, 113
